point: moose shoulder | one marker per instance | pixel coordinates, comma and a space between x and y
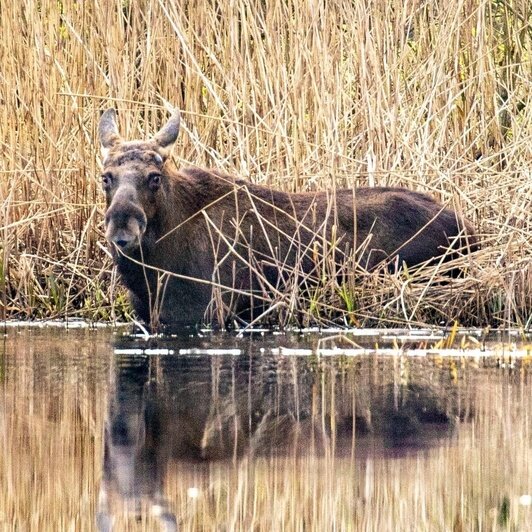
185, 241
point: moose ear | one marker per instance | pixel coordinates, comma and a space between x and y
108, 131
167, 135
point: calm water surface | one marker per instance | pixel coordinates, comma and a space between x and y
401, 430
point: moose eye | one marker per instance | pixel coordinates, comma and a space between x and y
107, 181
154, 181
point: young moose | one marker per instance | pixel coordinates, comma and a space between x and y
185, 240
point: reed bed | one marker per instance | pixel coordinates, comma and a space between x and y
294, 95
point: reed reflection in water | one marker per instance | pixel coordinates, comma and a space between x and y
259, 442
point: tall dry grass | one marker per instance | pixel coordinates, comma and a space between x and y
296, 95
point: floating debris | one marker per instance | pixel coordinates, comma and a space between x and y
525, 500
201, 351
146, 351
73, 323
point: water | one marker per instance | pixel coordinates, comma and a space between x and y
373, 431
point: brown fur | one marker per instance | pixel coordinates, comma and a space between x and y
205, 227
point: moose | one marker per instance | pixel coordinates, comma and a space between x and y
192, 241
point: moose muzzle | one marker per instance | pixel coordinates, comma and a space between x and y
125, 221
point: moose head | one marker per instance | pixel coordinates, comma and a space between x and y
132, 178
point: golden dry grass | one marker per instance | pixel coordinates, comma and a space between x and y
296, 95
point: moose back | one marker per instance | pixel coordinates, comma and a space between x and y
195, 243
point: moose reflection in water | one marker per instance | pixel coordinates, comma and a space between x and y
199, 408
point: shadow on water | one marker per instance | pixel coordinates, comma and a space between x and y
199, 407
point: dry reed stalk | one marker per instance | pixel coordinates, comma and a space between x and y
299, 96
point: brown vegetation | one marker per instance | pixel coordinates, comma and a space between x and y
299, 97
